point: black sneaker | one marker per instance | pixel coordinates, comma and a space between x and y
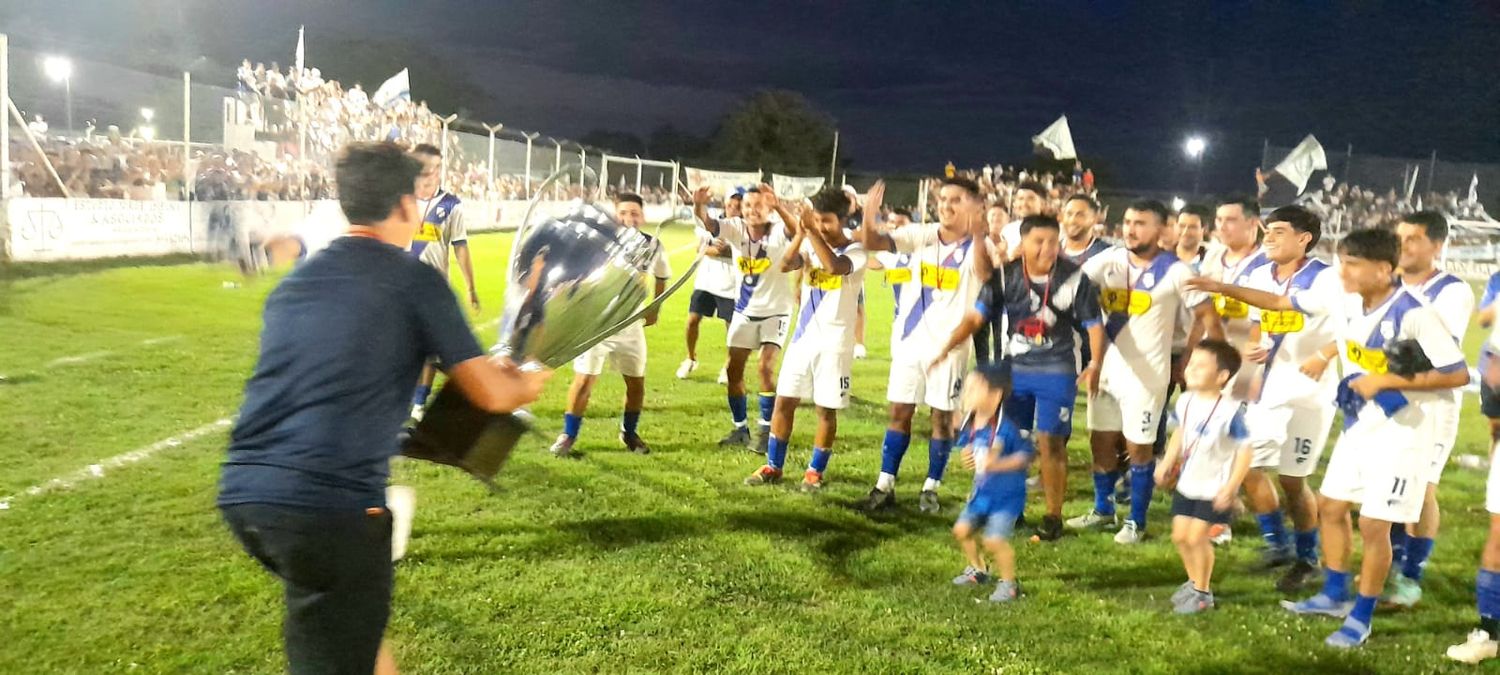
1272, 558
634, 443
762, 439
927, 502
1296, 577
738, 438
879, 500
1050, 529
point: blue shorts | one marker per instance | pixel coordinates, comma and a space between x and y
995, 523
1042, 402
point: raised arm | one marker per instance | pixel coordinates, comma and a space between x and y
869, 235
700, 209
832, 262
1250, 296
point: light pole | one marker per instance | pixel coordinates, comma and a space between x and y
1193, 148
60, 69
492, 130
556, 164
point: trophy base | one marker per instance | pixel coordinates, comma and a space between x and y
455, 433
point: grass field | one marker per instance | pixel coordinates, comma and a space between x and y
616, 563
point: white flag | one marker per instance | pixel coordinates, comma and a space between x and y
1056, 139
795, 187
398, 87
1474, 190
1303, 160
300, 52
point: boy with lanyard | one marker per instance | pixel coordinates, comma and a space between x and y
1040, 305
1381, 460
819, 360
442, 230
763, 308
1422, 236
1289, 410
998, 455
1207, 459
1142, 291
945, 282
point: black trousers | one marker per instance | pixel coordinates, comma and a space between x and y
336, 573
982, 344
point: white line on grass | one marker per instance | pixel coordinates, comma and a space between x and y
77, 359
94, 471
152, 342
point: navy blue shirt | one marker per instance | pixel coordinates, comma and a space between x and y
1040, 323
343, 343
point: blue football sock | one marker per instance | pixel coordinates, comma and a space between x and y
737, 410
1364, 608
1336, 585
775, 452
1487, 587
767, 406
1104, 492
938, 450
1273, 530
892, 450
1142, 482
1307, 545
1398, 545
629, 421
571, 424
1417, 551
419, 397
819, 461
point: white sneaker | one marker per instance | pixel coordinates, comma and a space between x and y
686, 369
401, 501
1220, 535
1129, 534
723, 376
417, 412
859, 351
1092, 520
1478, 647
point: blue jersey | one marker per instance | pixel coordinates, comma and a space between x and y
1044, 320
992, 490
1094, 248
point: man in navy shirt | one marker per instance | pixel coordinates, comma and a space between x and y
344, 337
1039, 306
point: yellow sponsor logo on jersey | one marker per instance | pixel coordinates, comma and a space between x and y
819, 279
753, 265
1281, 322
427, 232
1132, 302
1230, 308
1370, 359
898, 276
940, 278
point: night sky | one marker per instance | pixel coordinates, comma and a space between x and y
910, 86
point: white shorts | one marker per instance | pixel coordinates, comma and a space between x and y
810, 372
1442, 431
1288, 438
626, 350
1381, 464
1128, 407
748, 333
1492, 488
912, 383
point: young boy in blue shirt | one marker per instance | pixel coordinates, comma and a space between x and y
999, 455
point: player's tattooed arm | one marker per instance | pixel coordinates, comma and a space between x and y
700, 209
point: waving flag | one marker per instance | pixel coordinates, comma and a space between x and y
398, 87
1302, 161
1056, 139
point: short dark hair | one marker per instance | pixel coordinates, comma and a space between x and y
1373, 244
1080, 197
630, 197
830, 200
736, 195
1301, 220
968, 185
1030, 223
1153, 205
427, 149
1225, 355
1245, 202
1204, 214
1032, 186
752, 190
372, 178
995, 375
902, 211
1433, 223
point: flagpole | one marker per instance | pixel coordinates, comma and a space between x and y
1348, 161
833, 161
1431, 170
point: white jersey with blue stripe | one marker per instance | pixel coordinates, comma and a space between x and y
1293, 336
762, 289
830, 302
941, 288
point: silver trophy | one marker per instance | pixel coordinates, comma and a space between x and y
576, 276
